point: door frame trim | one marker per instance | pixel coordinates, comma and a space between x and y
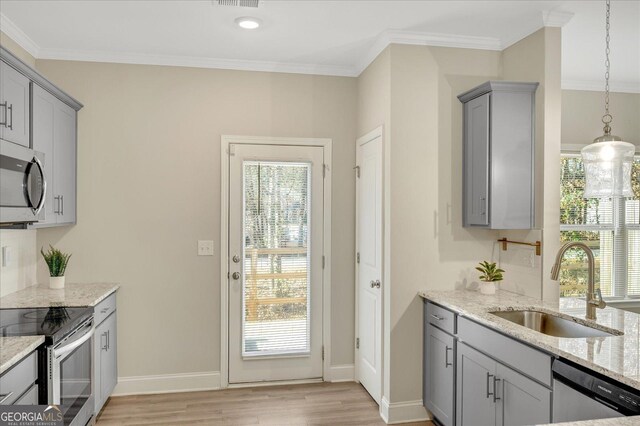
378, 132
225, 141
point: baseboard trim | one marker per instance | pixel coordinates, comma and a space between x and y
402, 412
341, 373
167, 383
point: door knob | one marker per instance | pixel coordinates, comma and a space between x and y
375, 284
235, 275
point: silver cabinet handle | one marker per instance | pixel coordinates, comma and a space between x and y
489, 376
4, 397
104, 310
4, 106
10, 108
57, 209
108, 339
495, 389
446, 357
436, 317
105, 347
62, 204
483, 200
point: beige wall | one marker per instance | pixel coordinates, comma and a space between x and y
537, 58
582, 114
149, 188
14, 48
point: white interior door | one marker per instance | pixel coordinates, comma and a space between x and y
369, 246
275, 262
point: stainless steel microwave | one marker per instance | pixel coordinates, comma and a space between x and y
22, 184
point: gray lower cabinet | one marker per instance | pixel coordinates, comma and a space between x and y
18, 385
54, 134
105, 352
491, 394
439, 367
14, 105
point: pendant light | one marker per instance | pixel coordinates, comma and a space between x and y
608, 160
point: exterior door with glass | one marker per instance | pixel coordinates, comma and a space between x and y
275, 262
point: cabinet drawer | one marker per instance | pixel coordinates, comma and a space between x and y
105, 308
442, 318
30, 397
506, 350
18, 379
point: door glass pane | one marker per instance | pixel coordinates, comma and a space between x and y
275, 311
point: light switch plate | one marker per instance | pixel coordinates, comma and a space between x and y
205, 247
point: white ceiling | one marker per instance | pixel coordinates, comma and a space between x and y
320, 37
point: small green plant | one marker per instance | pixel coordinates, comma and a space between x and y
56, 261
490, 271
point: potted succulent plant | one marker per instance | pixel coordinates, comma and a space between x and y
57, 262
490, 274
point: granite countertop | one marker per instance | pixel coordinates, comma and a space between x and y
73, 295
13, 349
617, 357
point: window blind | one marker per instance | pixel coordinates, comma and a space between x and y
276, 317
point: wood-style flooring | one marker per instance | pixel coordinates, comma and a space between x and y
310, 404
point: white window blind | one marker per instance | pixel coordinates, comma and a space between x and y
610, 227
276, 317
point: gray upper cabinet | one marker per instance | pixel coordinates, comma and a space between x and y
14, 106
499, 151
54, 134
439, 367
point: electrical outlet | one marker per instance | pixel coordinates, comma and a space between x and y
205, 247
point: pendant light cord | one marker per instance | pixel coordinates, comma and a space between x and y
607, 118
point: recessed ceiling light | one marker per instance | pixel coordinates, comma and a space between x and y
248, 23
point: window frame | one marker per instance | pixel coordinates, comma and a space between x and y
619, 229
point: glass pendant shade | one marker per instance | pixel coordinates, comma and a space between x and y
607, 167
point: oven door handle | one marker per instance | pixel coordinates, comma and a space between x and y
60, 352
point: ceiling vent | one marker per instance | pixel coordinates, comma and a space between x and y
237, 3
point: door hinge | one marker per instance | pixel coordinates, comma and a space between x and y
357, 343
323, 262
357, 171
232, 150
358, 257
323, 353
228, 275
324, 170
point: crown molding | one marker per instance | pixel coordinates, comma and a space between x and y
20, 37
598, 86
556, 18
195, 62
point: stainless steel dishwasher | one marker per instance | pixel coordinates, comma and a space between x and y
581, 394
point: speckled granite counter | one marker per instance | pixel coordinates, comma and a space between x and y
73, 295
13, 349
617, 357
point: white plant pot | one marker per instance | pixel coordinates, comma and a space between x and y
56, 282
487, 287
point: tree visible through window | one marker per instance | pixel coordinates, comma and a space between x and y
611, 228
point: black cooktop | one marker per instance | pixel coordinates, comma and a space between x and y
54, 323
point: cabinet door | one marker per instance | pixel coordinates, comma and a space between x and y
476, 161
99, 348
109, 359
475, 387
522, 401
15, 114
439, 377
44, 105
64, 170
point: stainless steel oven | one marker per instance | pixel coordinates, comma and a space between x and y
22, 184
69, 374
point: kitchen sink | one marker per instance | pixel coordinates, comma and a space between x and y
552, 325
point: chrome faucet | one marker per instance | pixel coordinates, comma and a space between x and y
594, 297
